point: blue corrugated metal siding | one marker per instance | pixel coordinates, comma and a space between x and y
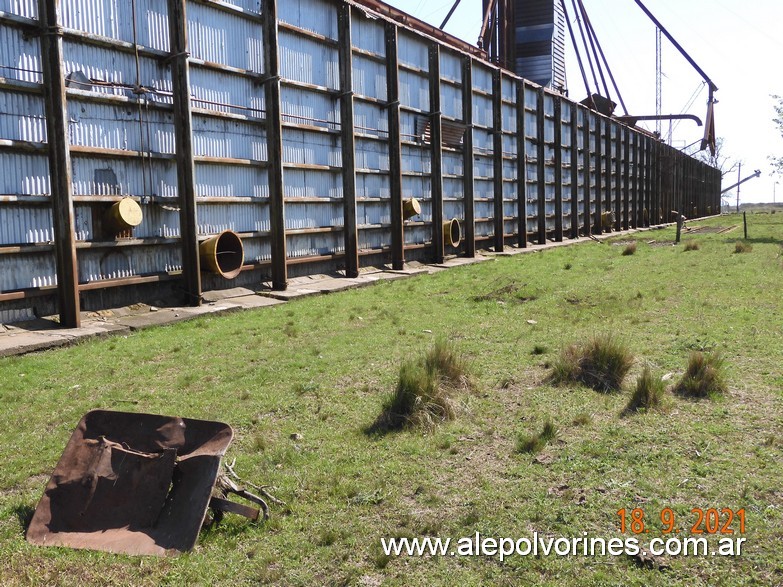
123, 140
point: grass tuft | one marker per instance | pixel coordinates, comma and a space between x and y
536, 442
648, 393
423, 397
629, 249
601, 364
704, 377
692, 245
740, 247
539, 349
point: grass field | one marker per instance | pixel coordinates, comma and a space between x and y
322, 368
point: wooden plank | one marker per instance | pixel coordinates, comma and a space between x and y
347, 140
558, 146
497, 159
59, 163
541, 166
521, 167
436, 149
395, 146
574, 171
183, 125
467, 157
274, 141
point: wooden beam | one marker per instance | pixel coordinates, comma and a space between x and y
574, 171
274, 142
497, 159
395, 147
59, 163
183, 126
541, 165
347, 140
436, 164
467, 157
558, 169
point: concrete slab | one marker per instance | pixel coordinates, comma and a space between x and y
252, 301
40, 335
226, 294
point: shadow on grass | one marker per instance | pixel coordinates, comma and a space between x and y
765, 240
24, 513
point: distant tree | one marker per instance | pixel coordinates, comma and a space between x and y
720, 160
777, 162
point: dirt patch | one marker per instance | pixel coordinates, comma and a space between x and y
623, 243
512, 292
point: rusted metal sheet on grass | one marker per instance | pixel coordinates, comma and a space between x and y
135, 484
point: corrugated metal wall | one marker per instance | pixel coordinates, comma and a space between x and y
538, 161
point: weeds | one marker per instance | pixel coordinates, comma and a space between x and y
629, 249
648, 392
740, 247
601, 364
423, 396
704, 377
692, 245
535, 443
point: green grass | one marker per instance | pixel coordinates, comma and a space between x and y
647, 393
425, 393
704, 376
601, 363
536, 442
328, 378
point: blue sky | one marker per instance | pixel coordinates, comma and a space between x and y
739, 44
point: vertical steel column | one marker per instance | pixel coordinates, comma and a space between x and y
574, 171
558, 108
599, 171
497, 159
521, 167
467, 157
183, 125
608, 179
626, 178
587, 219
635, 154
618, 177
274, 141
436, 144
541, 166
347, 139
395, 148
59, 163
647, 179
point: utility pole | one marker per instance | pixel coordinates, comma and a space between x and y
739, 179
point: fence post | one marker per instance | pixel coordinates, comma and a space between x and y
395, 148
436, 144
467, 157
558, 169
347, 140
497, 159
521, 166
59, 163
541, 166
274, 141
